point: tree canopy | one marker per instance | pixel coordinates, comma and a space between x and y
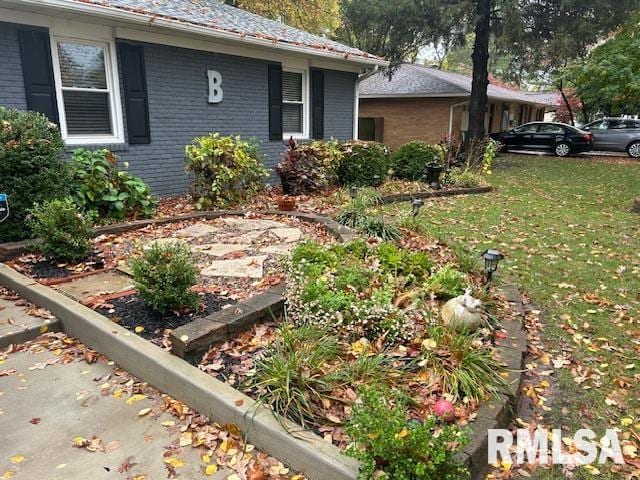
608, 80
315, 16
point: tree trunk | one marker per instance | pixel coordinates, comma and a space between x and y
478, 100
566, 102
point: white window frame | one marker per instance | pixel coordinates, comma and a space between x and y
113, 89
304, 135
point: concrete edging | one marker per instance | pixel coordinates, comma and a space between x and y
403, 197
499, 412
304, 452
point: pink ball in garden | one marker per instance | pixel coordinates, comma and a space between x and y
445, 410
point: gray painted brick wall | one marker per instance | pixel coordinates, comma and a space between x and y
12, 93
178, 108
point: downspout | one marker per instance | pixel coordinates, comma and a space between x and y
356, 98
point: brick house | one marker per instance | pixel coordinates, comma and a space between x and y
422, 103
144, 77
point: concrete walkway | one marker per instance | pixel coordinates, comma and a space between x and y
17, 324
45, 407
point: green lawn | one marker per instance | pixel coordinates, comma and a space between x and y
573, 244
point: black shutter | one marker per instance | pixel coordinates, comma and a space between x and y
37, 71
317, 104
275, 102
135, 93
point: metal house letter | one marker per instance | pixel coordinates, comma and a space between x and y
215, 86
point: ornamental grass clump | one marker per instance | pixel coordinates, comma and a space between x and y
164, 275
356, 215
392, 446
463, 364
292, 376
227, 170
63, 232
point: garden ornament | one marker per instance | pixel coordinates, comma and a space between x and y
462, 313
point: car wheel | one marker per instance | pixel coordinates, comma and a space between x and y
634, 150
562, 149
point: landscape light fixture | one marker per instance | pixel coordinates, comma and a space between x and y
353, 191
416, 203
491, 260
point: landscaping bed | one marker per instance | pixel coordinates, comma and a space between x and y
365, 316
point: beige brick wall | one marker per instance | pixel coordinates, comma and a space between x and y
427, 119
407, 119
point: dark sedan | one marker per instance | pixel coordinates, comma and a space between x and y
559, 138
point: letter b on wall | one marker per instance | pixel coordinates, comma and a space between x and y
215, 86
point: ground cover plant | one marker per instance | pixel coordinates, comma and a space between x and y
391, 446
571, 241
32, 169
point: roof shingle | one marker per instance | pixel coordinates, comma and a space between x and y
219, 16
418, 80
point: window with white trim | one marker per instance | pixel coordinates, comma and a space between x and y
294, 104
86, 86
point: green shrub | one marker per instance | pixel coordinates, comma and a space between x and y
394, 448
448, 282
308, 167
99, 187
463, 364
63, 232
164, 275
31, 167
363, 163
292, 373
410, 160
464, 179
227, 170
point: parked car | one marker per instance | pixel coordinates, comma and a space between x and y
616, 135
558, 138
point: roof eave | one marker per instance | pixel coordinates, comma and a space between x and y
186, 27
413, 95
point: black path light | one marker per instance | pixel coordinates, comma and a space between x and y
353, 192
416, 203
491, 260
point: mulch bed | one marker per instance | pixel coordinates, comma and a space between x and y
40, 267
131, 312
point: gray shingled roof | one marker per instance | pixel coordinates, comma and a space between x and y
420, 81
221, 17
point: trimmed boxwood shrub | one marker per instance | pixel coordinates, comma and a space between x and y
410, 160
31, 167
363, 163
164, 275
227, 170
63, 232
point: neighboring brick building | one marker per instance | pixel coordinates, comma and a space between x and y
422, 103
144, 77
